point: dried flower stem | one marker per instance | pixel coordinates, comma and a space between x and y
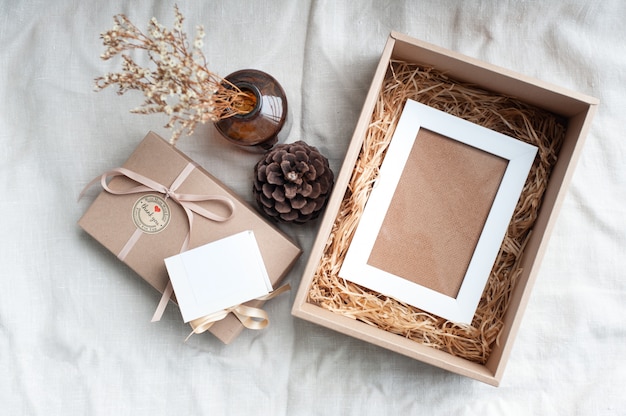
179, 84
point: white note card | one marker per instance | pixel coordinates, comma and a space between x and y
218, 275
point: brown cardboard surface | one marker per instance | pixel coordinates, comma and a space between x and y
109, 221
448, 188
577, 108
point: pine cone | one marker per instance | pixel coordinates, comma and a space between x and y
292, 182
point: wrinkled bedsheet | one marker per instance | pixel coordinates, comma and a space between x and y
75, 331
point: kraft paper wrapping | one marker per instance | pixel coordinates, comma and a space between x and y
109, 220
437, 213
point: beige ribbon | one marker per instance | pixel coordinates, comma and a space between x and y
250, 317
186, 201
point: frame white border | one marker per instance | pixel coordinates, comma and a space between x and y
520, 156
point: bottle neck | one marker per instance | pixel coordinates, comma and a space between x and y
250, 88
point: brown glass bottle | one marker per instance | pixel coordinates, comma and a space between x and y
260, 127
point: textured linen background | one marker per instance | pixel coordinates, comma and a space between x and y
75, 336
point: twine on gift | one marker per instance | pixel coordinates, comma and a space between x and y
186, 201
249, 316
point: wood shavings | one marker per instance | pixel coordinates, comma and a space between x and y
503, 114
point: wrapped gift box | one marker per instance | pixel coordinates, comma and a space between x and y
577, 109
114, 220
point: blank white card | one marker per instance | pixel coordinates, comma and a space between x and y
218, 275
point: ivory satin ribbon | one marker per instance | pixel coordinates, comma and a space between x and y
250, 317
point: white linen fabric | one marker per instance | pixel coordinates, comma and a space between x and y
75, 331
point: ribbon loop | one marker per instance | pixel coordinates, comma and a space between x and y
148, 185
249, 316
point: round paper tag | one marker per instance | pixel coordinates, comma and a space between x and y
151, 214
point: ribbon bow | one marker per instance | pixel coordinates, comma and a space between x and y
186, 201
250, 317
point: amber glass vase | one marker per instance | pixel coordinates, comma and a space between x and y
262, 126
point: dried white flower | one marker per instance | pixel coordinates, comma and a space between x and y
179, 85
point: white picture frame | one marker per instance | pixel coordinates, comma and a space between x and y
519, 157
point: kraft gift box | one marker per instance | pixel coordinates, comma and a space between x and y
143, 228
577, 109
